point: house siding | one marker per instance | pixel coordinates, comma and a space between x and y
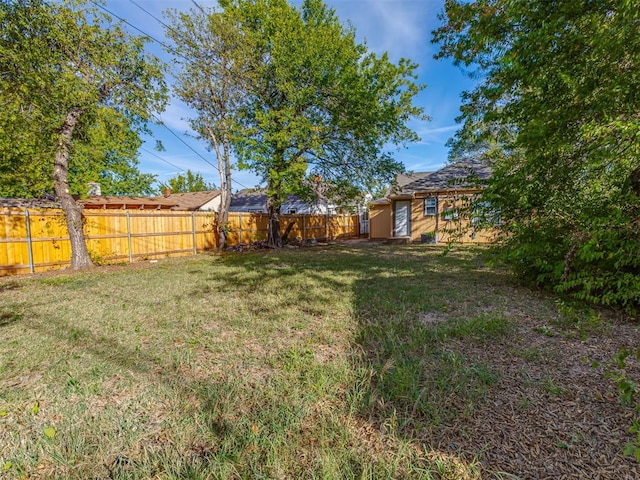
458, 230
380, 221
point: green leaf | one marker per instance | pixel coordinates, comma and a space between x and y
560, 135
7, 466
36, 408
296, 98
50, 432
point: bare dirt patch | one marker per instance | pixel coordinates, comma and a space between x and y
553, 415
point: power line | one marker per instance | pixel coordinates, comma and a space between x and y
192, 149
170, 50
151, 15
160, 158
198, 5
159, 42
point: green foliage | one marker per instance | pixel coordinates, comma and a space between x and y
191, 182
313, 101
628, 394
555, 113
59, 56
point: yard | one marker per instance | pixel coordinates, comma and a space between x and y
339, 361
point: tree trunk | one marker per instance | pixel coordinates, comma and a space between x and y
273, 209
73, 213
224, 170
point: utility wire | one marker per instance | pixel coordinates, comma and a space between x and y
199, 6
192, 149
151, 15
170, 50
160, 42
163, 159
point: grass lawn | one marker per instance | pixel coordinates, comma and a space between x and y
343, 361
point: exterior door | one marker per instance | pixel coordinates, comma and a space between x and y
402, 219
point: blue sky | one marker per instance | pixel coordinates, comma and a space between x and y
400, 27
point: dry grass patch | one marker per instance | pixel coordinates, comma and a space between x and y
344, 361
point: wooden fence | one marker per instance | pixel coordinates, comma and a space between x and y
35, 240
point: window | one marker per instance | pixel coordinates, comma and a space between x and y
430, 206
291, 211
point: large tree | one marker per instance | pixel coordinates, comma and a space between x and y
76, 92
213, 61
314, 105
557, 100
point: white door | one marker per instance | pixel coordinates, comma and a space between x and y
402, 219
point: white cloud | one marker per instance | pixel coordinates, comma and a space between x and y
176, 117
399, 27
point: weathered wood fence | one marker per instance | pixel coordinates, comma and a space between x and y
35, 240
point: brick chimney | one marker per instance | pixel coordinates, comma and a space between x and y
167, 191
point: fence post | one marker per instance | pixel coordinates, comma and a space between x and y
304, 231
326, 227
344, 226
129, 237
193, 229
240, 227
29, 242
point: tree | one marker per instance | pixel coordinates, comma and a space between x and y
557, 99
213, 60
76, 93
312, 103
187, 183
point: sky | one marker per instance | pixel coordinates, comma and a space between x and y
402, 28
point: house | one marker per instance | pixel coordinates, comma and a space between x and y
425, 206
206, 201
254, 200
192, 201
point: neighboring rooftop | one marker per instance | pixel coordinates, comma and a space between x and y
251, 199
174, 201
126, 202
191, 200
29, 202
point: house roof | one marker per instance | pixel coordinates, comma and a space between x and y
174, 201
257, 198
453, 176
249, 197
29, 203
113, 201
404, 179
191, 200
380, 201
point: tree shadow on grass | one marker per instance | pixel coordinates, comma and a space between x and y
240, 424
410, 380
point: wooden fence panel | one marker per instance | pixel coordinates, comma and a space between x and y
34, 240
13, 244
107, 236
